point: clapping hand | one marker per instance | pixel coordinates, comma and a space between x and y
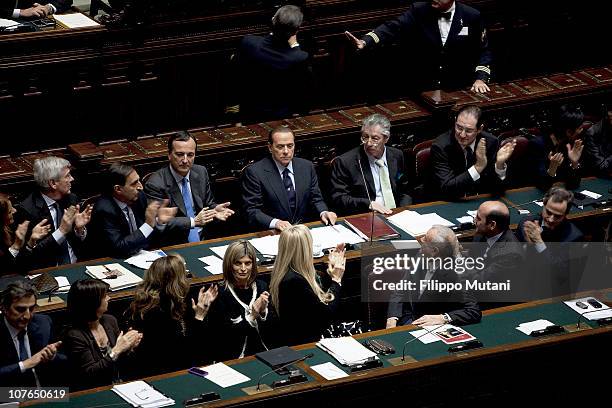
481, 155
223, 212
555, 161
504, 153
336, 263
575, 152
531, 231
39, 231
205, 299
261, 304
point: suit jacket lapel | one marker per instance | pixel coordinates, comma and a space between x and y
194, 180
277, 184
456, 25
9, 346
43, 209
175, 192
121, 215
392, 165
365, 165
302, 183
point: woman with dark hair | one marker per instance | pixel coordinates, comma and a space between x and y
303, 307
170, 327
93, 343
14, 258
242, 305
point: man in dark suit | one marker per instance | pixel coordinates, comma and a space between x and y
281, 190
466, 160
123, 223
447, 39
502, 256
598, 146
550, 235
557, 155
32, 9
27, 356
376, 165
187, 187
265, 63
426, 307
54, 201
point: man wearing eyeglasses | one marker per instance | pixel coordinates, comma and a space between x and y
466, 160
371, 176
187, 187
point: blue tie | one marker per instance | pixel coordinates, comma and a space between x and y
290, 191
193, 232
23, 353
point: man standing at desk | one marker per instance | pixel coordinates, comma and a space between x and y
371, 177
54, 201
32, 9
27, 355
187, 187
466, 160
281, 190
123, 223
447, 41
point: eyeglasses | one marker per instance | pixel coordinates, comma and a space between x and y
373, 139
467, 131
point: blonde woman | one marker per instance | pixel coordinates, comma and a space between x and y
304, 309
171, 329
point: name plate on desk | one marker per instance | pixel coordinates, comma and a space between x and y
399, 109
356, 115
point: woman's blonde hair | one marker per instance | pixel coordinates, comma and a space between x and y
234, 252
165, 280
295, 253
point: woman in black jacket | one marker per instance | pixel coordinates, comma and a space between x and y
238, 316
172, 330
304, 309
94, 344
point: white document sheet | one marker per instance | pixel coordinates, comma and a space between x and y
591, 194
329, 237
430, 337
144, 259
75, 20
590, 312
346, 350
211, 260
417, 224
223, 375
64, 285
267, 245
529, 327
220, 250
329, 371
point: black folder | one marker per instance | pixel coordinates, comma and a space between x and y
279, 356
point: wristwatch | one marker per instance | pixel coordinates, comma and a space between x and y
447, 318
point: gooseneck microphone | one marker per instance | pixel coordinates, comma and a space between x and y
365, 184
297, 360
416, 338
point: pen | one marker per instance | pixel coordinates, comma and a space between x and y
329, 224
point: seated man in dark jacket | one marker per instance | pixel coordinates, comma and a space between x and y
425, 307
32, 9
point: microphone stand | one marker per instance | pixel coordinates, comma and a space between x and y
289, 381
365, 184
402, 360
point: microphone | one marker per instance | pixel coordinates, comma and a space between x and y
365, 184
416, 338
297, 360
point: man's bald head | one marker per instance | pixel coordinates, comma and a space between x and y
492, 218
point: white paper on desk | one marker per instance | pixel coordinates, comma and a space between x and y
430, 337
417, 224
223, 375
138, 392
540, 203
472, 213
346, 350
220, 250
329, 371
75, 20
7, 23
143, 259
523, 212
267, 245
329, 237
590, 313
591, 194
215, 269
529, 327
62, 282
467, 219
211, 260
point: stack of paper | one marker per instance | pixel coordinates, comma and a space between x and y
117, 276
213, 264
330, 236
267, 245
143, 259
220, 250
75, 20
63, 284
223, 375
529, 327
141, 394
346, 350
448, 333
417, 224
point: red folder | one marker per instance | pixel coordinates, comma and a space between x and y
362, 225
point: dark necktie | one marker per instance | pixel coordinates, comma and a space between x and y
64, 254
290, 190
130, 217
469, 157
447, 15
23, 353
193, 232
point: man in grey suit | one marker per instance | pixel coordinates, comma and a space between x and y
281, 189
187, 187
